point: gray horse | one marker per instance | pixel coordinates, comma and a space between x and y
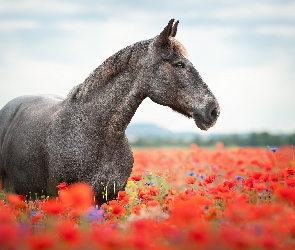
45, 140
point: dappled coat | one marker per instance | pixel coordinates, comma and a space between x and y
45, 140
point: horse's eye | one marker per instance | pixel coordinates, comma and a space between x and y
179, 65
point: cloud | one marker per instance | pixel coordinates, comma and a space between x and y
277, 30
13, 25
35, 6
243, 50
27, 76
255, 10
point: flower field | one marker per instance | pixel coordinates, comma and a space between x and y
219, 198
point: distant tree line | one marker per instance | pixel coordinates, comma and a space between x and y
254, 139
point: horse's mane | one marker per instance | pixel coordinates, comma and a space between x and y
117, 63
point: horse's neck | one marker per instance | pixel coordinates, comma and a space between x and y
110, 96
124, 107
112, 108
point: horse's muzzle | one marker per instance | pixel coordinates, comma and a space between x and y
206, 117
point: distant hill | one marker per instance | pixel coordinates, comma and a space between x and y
151, 135
151, 130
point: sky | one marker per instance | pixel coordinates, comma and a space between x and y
244, 50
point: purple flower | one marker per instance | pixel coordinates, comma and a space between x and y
273, 150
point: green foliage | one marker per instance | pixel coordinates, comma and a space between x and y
254, 139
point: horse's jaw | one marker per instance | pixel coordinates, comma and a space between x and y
201, 124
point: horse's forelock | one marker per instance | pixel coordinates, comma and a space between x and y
178, 47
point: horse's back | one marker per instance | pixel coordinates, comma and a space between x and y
25, 105
23, 124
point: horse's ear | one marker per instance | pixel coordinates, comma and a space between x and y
166, 33
174, 29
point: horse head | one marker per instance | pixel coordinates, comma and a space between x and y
173, 81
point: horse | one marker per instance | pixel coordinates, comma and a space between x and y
47, 139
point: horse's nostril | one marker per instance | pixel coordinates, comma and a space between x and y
214, 113
206, 117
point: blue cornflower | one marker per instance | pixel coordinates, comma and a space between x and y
149, 183
32, 214
238, 178
273, 150
202, 176
192, 173
93, 214
206, 207
41, 227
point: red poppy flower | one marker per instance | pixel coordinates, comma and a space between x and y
274, 177
289, 171
107, 237
42, 240
113, 202
209, 179
16, 200
69, 232
36, 217
228, 184
259, 186
264, 177
200, 233
243, 198
22, 197
117, 210
287, 193
256, 175
8, 236
52, 206
236, 238
78, 195
136, 177
290, 182
62, 185
190, 180
153, 203
136, 209
123, 198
